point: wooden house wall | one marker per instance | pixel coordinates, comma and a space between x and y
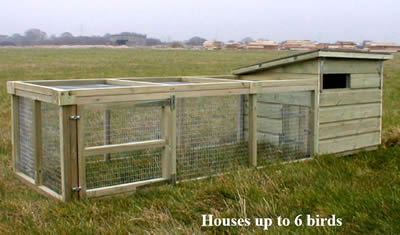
350, 118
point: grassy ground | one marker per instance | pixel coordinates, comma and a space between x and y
363, 189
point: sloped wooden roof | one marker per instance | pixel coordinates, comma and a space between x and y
343, 54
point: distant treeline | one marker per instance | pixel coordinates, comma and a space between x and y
38, 37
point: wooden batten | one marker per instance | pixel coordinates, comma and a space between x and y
172, 140
342, 144
350, 66
81, 149
349, 112
15, 131
346, 97
252, 124
125, 147
351, 127
122, 188
37, 141
369, 80
65, 150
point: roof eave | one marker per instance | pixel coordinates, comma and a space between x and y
312, 55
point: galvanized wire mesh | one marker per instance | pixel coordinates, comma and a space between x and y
283, 126
116, 124
121, 168
51, 163
121, 123
25, 162
210, 137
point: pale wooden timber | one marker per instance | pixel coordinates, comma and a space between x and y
274, 63
107, 131
125, 147
15, 131
349, 112
36, 96
354, 151
252, 123
355, 55
268, 125
268, 75
328, 54
40, 189
164, 135
65, 113
44, 90
204, 79
352, 127
350, 66
121, 188
37, 141
172, 140
294, 98
74, 165
345, 97
381, 104
369, 80
81, 150
119, 82
342, 144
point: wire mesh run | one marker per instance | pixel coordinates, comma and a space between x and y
25, 162
283, 126
51, 163
117, 124
210, 136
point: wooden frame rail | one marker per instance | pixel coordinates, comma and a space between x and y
125, 147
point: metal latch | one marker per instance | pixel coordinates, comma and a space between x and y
77, 189
75, 117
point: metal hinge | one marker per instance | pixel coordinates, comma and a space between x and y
75, 117
77, 189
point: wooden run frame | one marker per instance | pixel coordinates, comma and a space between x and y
117, 90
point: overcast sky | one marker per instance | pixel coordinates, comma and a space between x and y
319, 20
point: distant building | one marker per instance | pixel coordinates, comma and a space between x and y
129, 39
342, 45
263, 45
212, 45
298, 45
381, 47
346, 45
234, 46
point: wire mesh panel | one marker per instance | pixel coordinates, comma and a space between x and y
210, 136
283, 126
118, 124
25, 162
121, 168
121, 123
51, 155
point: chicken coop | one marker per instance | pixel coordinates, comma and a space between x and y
86, 138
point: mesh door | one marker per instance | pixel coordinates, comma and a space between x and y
118, 124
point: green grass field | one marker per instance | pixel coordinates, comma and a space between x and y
362, 189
